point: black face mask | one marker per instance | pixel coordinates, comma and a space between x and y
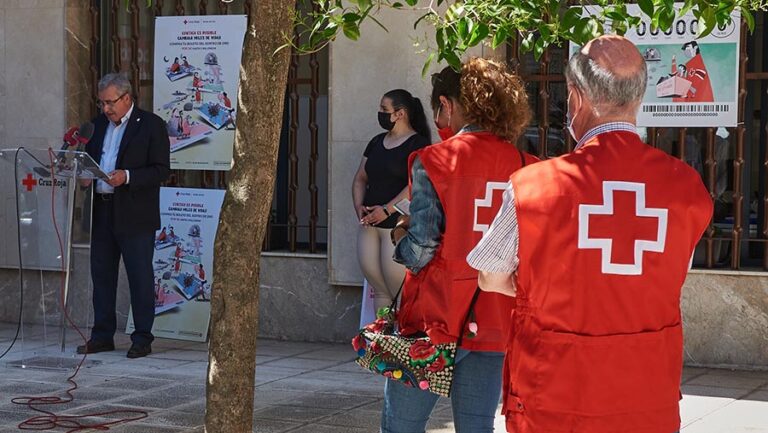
385, 121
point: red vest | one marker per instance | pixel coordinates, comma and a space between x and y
606, 235
470, 171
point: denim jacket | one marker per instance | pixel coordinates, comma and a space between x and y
427, 224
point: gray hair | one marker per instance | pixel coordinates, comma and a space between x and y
117, 80
602, 87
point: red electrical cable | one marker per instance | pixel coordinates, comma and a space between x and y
51, 420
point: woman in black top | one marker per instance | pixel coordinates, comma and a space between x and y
380, 182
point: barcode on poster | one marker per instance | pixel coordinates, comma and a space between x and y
689, 110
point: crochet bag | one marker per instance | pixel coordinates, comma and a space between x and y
413, 360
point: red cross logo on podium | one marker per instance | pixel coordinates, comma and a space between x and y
485, 211
623, 228
29, 182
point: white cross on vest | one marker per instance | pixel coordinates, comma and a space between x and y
622, 223
487, 202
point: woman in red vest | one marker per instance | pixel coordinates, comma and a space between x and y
456, 189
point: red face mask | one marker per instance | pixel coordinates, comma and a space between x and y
444, 133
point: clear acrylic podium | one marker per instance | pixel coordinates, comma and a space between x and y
46, 183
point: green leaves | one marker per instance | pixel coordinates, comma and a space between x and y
351, 31
499, 38
350, 25
537, 24
646, 6
707, 22
749, 19
479, 33
663, 15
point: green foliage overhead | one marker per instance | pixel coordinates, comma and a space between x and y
460, 25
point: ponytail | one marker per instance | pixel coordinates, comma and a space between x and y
419, 120
416, 117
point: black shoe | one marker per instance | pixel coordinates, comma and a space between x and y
94, 346
139, 350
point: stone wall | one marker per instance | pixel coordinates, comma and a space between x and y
32, 91
32, 73
295, 300
79, 85
725, 318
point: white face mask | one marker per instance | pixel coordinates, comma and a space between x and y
569, 119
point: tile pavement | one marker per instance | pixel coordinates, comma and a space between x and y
300, 387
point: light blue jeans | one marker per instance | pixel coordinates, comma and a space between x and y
475, 397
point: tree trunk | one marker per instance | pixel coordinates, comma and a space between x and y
244, 217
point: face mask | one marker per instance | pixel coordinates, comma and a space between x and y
385, 121
570, 119
444, 133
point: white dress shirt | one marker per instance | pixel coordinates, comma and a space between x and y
110, 149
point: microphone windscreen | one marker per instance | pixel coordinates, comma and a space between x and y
70, 138
86, 132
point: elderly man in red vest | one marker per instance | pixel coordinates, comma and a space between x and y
595, 245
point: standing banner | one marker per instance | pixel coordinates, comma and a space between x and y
183, 262
197, 65
691, 82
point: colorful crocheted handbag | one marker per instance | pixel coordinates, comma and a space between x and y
413, 360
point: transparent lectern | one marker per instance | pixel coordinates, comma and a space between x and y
45, 185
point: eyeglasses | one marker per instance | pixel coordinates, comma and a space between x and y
107, 103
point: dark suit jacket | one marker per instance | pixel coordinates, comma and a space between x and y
145, 152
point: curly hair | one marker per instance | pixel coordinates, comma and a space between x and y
494, 98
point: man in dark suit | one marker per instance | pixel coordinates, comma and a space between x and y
132, 146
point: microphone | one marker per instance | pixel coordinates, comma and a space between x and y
74, 139
69, 139
77, 137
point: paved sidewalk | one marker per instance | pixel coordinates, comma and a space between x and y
300, 387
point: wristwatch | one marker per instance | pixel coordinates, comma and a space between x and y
386, 212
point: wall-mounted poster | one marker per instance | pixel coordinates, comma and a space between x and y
691, 82
183, 262
197, 65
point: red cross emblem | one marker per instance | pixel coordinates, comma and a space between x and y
623, 228
29, 182
485, 210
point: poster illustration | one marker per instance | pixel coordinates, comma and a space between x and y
183, 262
691, 82
197, 60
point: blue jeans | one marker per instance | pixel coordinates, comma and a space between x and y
475, 397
